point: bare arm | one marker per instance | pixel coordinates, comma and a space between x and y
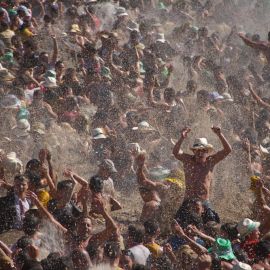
111, 226
44, 212
227, 149
141, 178
180, 232
181, 156
258, 99
6, 249
50, 110
55, 51
253, 44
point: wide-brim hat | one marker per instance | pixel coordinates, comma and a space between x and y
223, 249
108, 165
12, 163
161, 38
50, 82
144, 127
10, 102
201, 144
22, 128
5, 75
247, 226
98, 133
121, 11
39, 128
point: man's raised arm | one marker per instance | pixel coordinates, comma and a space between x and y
227, 149
177, 147
253, 44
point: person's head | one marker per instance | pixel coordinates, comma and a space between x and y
54, 261
191, 87
31, 224
151, 228
135, 235
249, 230
202, 97
126, 260
20, 185
169, 94
106, 168
80, 259
64, 189
146, 194
262, 250
203, 32
112, 251
44, 57
134, 37
96, 184
212, 229
229, 231
201, 149
83, 228
195, 205
33, 166
59, 67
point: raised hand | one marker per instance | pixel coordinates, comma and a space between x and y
32, 196
177, 228
42, 155
68, 173
44, 170
216, 130
185, 132
140, 160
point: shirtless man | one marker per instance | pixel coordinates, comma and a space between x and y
199, 167
263, 46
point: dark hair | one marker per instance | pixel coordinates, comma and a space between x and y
139, 267
31, 224
231, 229
169, 92
96, 184
34, 179
24, 242
262, 249
112, 250
151, 227
269, 36
21, 178
136, 234
33, 163
65, 184
191, 84
53, 262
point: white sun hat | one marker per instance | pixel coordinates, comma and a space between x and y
200, 144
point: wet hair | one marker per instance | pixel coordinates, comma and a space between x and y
21, 178
33, 163
203, 95
65, 184
262, 249
136, 234
231, 229
96, 184
34, 179
151, 227
31, 224
24, 242
169, 93
112, 250
54, 261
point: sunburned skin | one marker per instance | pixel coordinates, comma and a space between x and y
199, 167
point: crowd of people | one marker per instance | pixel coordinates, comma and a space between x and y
112, 106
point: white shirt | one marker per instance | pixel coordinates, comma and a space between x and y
20, 212
140, 254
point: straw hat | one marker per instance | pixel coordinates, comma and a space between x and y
50, 82
12, 164
98, 133
144, 127
201, 144
161, 37
75, 28
133, 26
39, 128
121, 11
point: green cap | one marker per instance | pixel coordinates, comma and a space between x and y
106, 72
223, 249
